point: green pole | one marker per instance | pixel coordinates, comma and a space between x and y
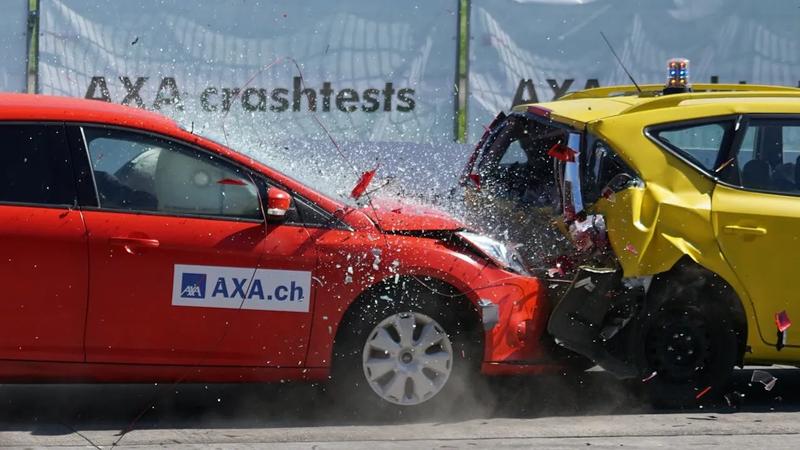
462, 72
33, 47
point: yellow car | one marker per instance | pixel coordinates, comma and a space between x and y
676, 250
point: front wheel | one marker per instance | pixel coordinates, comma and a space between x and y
407, 358
404, 354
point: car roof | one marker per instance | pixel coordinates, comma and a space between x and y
14, 106
579, 108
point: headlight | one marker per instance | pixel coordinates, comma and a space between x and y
496, 251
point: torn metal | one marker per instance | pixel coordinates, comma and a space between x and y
555, 188
591, 314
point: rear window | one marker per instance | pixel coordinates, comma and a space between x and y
698, 143
514, 163
34, 161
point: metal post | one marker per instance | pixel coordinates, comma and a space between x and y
462, 72
33, 47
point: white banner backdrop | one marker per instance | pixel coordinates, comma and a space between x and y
13, 51
537, 49
373, 72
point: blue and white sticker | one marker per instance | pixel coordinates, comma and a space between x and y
241, 288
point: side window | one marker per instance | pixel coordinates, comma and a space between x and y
699, 143
34, 160
138, 172
746, 148
769, 155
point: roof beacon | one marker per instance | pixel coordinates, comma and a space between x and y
677, 76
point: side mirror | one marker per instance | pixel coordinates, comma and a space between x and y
278, 202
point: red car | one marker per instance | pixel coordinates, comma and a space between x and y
132, 250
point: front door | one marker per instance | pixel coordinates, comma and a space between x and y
183, 268
757, 218
43, 251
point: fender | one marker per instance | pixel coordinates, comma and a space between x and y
660, 228
511, 329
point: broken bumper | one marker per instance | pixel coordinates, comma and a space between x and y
514, 311
592, 318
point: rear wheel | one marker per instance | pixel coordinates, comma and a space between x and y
691, 346
403, 352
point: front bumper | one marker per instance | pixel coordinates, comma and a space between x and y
514, 310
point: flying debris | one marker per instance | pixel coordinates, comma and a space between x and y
765, 378
363, 183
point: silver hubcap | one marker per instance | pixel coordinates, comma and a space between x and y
407, 358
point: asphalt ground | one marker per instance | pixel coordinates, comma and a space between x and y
594, 410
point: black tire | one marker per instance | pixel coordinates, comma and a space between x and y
349, 385
689, 340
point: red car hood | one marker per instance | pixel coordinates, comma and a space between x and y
391, 215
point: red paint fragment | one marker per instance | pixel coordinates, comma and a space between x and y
702, 393
608, 194
231, 181
782, 321
569, 213
561, 152
631, 249
476, 179
363, 183
551, 273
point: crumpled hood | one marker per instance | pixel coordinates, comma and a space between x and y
394, 216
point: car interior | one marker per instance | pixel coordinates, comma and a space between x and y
768, 160
516, 162
140, 175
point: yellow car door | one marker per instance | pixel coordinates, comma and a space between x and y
756, 218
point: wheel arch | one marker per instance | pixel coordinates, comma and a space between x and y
693, 275
466, 313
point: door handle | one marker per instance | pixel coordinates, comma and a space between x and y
750, 231
131, 244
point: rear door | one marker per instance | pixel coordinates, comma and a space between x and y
184, 270
43, 250
757, 217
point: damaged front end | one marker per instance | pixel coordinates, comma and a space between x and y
537, 182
